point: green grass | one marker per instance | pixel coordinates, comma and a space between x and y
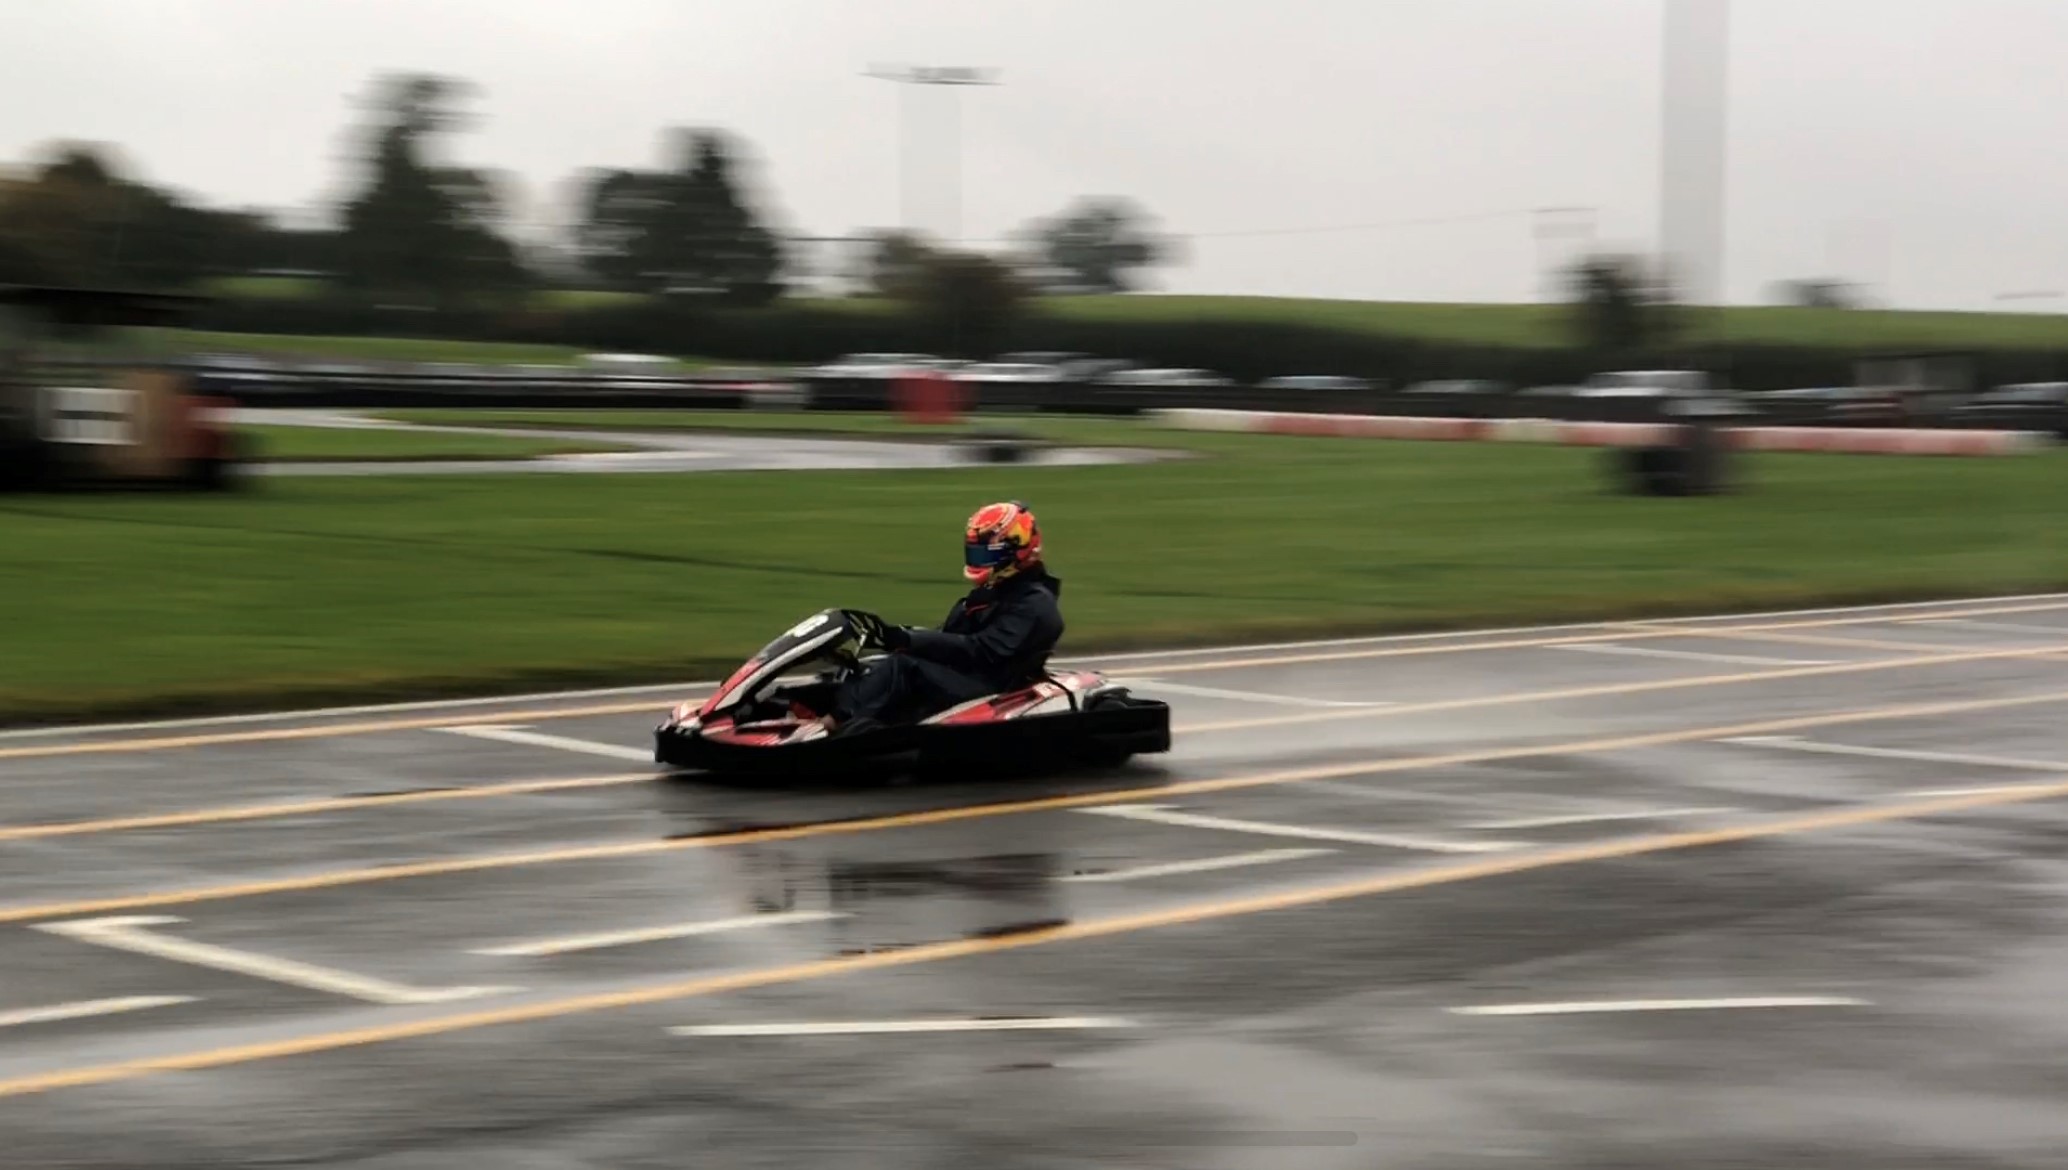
311, 589
307, 444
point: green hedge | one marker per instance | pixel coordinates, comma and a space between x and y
803, 333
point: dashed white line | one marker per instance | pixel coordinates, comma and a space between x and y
1201, 865
128, 934
1158, 685
1658, 814
619, 938
1658, 1005
1976, 790
515, 733
1796, 744
87, 1008
1166, 815
878, 1027
1692, 655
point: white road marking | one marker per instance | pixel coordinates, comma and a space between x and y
1795, 744
515, 733
877, 1027
315, 714
1166, 815
1976, 624
1202, 865
1692, 655
1977, 790
128, 934
1154, 684
87, 1008
1589, 818
620, 938
1657, 1005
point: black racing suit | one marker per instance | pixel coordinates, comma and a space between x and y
995, 639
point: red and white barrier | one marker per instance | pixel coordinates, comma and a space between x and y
1864, 441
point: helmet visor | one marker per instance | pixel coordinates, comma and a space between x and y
983, 555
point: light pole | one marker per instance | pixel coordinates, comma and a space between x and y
1692, 179
911, 78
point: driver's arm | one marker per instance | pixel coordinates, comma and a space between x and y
994, 647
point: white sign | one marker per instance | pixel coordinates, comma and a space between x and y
91, 415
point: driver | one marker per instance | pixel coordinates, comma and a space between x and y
997, 638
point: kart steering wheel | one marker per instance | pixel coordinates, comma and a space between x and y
868, 628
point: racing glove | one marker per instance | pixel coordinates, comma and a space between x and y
875, 631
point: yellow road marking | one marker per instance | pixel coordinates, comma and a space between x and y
657, 706
255, 812
1855, 643
1542, 642
331, 879
324, 731
1117, 925
1603, 690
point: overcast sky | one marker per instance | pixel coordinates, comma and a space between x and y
1911, 144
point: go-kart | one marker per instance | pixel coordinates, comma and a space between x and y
758, 723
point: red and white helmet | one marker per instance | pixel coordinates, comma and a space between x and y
1001, 540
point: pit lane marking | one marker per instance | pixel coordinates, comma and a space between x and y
1690, 655
538, 948
1900, 613
88, 1008
1603, 690
515, 733
1395, 881
1201, 865
1791, 743
2009, 627
1164, 814
1586, 1007
260, 812
1156, 684
881, 1027
1558, 821
533, 715
231, 814
331, 879
129, 934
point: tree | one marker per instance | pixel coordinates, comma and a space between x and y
967, 302
685, 229
894, 262
1619, 303
415, 229
78, 220
1093, 247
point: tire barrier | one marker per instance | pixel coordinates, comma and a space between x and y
1603, 434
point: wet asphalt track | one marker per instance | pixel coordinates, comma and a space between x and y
1594, 815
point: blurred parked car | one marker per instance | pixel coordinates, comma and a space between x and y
1011, 372
1459, 386
1163, 377
2028, 406
1323, 383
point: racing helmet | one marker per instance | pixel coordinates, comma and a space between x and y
1000, 540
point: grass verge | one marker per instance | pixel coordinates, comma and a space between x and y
289, 444
326, 589
1110, 432
157, 341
